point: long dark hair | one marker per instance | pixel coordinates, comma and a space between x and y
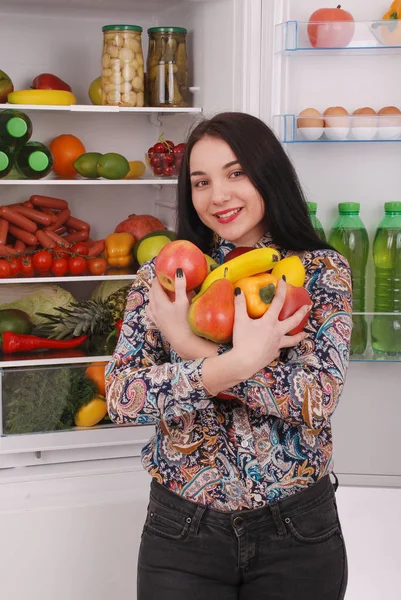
267, 166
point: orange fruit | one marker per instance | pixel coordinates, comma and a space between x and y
95, 372
66, 149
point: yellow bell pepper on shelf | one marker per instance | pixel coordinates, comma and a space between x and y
91, 413
259, 292
118, 249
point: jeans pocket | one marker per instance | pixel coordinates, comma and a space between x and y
316, 524
165, 522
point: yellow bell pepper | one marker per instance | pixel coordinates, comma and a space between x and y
90, 414
259, 292
293, 270
118, 249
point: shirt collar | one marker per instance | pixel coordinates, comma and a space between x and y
222, 247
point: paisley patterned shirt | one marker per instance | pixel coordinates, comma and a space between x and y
273, 439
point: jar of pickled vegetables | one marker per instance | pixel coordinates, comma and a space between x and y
167, 67
122, 66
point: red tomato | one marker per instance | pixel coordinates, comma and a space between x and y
97, 266
158, 171
60, 266
42, 261
4, 268
80, 248
59, 252
168, 160
159, 147
155, 161
15, 266
77, 265
179, 149
27, 268
294, 299
150, 151
167, 171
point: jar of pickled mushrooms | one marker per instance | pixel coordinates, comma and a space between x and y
167, 67
123, 82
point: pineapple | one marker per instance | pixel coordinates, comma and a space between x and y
93, 317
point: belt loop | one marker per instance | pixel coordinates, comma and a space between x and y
275, 511
196, 519
335, 484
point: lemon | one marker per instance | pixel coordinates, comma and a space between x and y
113, 166
293, 270
150, 247
86, 164
136, 169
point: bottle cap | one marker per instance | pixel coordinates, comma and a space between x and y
17, 127
4, 161
38, 161
349, 207
312, 207
121, 28
392, 207
167, 30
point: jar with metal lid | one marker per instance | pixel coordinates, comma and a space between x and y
123, 81
167, 67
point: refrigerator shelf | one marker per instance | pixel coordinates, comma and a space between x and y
356, 38
89, 108
290, 128
81, 181
53, 279
49, 358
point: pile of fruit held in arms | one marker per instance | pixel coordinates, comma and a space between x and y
255, 271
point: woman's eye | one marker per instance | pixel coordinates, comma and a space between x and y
237, 173
201, 183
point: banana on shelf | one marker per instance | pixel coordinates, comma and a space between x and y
49, 97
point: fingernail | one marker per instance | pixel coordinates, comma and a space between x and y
284, 278
179, 272
237, 291
307, 308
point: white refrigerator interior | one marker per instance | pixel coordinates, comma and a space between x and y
72, 503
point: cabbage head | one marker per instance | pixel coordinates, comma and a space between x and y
35, 297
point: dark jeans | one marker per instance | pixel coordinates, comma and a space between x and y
293, 549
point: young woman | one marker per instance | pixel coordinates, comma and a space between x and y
242, 506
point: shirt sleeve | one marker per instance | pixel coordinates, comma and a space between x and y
142, 386
305, 389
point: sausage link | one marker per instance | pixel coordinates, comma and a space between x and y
97, 248
60, 230
44, 240
78, 224
3, 231
17, 219
36, 215
48, 202
79, 236
59, 241
61, 218
19, 246
25, 236
27, 204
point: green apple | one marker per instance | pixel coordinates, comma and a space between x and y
95, 91
150, 247
6, 87
170, 234
211, 264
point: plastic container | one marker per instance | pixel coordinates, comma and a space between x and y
123, 79
350, 238
15, 128
6, 161
312, 207
167, 67
33, 161
386, 329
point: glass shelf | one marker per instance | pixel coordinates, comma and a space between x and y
383, 337
89, 108
81, 181
110, 275
338, 38
292, 128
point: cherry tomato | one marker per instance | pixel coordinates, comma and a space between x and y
77, 265
59, 252
159, 147
27, 268
158, 171
15, 266
167, 171
60, 266
97, 266
42, 261
155, 161
150, 151
169, 145
167, 160
4, 268
80, 248
179, 149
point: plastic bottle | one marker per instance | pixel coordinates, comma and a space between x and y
312, 207
386, 329
350, 238
33, 161
6, 161
15, 128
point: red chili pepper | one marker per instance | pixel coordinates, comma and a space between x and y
119, 324
17, 342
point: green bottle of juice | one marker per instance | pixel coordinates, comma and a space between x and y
386, 329
6, 161
312, 207
350, 238
15, 128
33, 161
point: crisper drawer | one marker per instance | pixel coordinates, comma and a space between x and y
58, 408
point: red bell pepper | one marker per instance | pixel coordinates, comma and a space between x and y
47, 81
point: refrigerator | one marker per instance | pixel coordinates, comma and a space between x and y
73, 499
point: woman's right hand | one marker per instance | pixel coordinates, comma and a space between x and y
258, 342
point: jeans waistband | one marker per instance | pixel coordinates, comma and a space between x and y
303, 500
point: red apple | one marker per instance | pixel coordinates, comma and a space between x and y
237, 252
185, 255
331, 28
6, 87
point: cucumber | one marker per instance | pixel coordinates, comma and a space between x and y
14, 320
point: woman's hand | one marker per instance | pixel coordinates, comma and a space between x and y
171, 318
257, 342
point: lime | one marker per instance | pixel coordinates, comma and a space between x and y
113, 166
164, 232
86, 164
151, 247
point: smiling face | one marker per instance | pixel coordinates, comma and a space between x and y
223, 196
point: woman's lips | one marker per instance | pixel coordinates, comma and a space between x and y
228, 216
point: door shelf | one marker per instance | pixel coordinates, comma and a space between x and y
360, 128
383, 336
367, 37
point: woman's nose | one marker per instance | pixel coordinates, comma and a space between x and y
220, 193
